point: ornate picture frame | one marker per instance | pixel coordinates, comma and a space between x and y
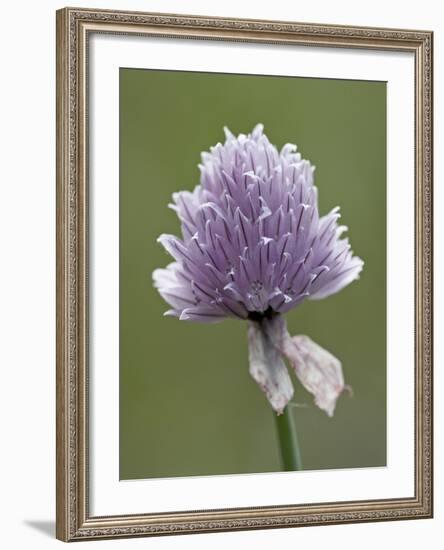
75, 520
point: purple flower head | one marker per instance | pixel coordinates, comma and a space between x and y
252, 239
253, 245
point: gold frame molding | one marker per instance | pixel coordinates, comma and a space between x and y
74, 26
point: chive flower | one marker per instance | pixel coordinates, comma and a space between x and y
254, 247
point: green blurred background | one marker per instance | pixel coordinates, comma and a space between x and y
187, 403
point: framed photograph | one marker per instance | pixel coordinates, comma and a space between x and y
244, 274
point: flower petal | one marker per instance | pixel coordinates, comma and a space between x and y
202, 314
338, 281
267, 368
179, 297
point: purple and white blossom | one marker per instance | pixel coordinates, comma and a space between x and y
254, 247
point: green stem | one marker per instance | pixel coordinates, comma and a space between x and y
288, 441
